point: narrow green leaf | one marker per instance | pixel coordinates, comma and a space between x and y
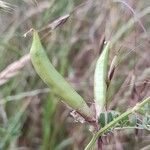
100, 79
101, 119
50, 107
53, 79
107, 117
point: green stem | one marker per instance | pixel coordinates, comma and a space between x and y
115, 121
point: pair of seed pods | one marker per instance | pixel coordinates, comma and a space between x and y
62, 88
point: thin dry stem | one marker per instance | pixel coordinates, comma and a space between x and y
13, 69
5, 6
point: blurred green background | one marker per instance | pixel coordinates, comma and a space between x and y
31, 117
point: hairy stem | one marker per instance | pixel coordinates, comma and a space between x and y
137, 107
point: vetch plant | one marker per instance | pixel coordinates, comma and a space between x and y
103, 121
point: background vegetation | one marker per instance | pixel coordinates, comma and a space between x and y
30, 116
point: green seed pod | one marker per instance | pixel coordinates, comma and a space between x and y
100, 79
53, 79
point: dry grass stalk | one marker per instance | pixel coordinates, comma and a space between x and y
5, 6
13, 69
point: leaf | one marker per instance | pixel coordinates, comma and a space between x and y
100, 79
107, 117
101, 120
50, 106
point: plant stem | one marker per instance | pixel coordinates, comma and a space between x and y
115, 121
99, 143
